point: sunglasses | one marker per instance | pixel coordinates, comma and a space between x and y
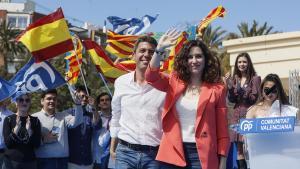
268, 90
23, 100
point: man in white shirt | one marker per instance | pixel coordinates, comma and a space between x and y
136, 114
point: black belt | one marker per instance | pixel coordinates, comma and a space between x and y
138, 147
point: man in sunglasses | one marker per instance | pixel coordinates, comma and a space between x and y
54, 150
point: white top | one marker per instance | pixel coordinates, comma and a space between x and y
187, 111
136, 112
4, 112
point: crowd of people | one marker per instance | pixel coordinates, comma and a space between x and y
153, 120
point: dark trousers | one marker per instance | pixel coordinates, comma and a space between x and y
52, 163
191, 156
10, 164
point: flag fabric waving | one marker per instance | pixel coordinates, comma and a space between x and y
35, 77
6, 89
102, 62
131, 26
168, 64
73, 61
212, 15
120, 45
47, 37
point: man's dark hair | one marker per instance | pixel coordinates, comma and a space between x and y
148, 39
50, 91
102, 94
82, 88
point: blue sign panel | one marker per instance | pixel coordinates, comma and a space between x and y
266, 125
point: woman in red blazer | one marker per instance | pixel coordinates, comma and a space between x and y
194, 118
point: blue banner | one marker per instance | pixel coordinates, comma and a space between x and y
6, 89
131, 26
36, 77
267, 125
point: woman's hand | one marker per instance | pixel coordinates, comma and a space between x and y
28, 126
18, 125
228, 80
168, 39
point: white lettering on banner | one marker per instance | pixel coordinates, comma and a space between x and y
274, 121
26, 85
276, 127
0, 85
121, 28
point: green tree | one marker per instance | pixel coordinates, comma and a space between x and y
9, 48
246, 30
213, 37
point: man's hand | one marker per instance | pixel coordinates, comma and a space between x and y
50, 137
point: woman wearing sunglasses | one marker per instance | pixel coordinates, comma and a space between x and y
243, 91
22, 134
273, 101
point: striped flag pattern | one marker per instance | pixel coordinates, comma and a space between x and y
120, 45
212, 15
102, 62
47, 37
73, 63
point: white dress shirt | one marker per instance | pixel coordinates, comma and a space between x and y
136, 112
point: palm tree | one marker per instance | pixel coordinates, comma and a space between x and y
213, 37
254, 30
9, 48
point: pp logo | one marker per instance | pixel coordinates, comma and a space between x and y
246, 125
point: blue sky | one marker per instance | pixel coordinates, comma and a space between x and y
283, 15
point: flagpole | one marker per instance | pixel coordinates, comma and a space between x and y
82, 75
105, 84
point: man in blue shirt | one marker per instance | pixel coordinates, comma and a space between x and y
80, 146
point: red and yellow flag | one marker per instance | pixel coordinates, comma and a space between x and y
120, 45
47, 37
212, 15
102, 62
168, 64
74, 61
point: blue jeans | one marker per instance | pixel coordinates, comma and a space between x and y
191, 157
52, 163
127, 158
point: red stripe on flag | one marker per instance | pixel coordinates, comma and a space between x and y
120, 50
52, 51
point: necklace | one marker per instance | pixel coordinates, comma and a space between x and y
194, 90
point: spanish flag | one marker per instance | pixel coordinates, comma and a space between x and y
47, 37
102, 62
212, 15
120, 45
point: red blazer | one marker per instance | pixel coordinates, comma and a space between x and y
211, 125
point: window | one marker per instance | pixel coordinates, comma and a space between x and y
18, 21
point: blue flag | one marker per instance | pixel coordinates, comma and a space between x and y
131, 26
6, 89
36, 77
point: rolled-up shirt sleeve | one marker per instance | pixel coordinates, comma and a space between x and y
116, 111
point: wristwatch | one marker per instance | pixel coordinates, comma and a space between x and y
159, 52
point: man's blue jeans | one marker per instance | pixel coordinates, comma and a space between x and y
127, 158
52, 163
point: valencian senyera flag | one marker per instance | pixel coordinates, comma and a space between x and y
36, 77
73, 60
131, 26
102, 62
6, 89
212, 15
47, 37
120, 45
169, 62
